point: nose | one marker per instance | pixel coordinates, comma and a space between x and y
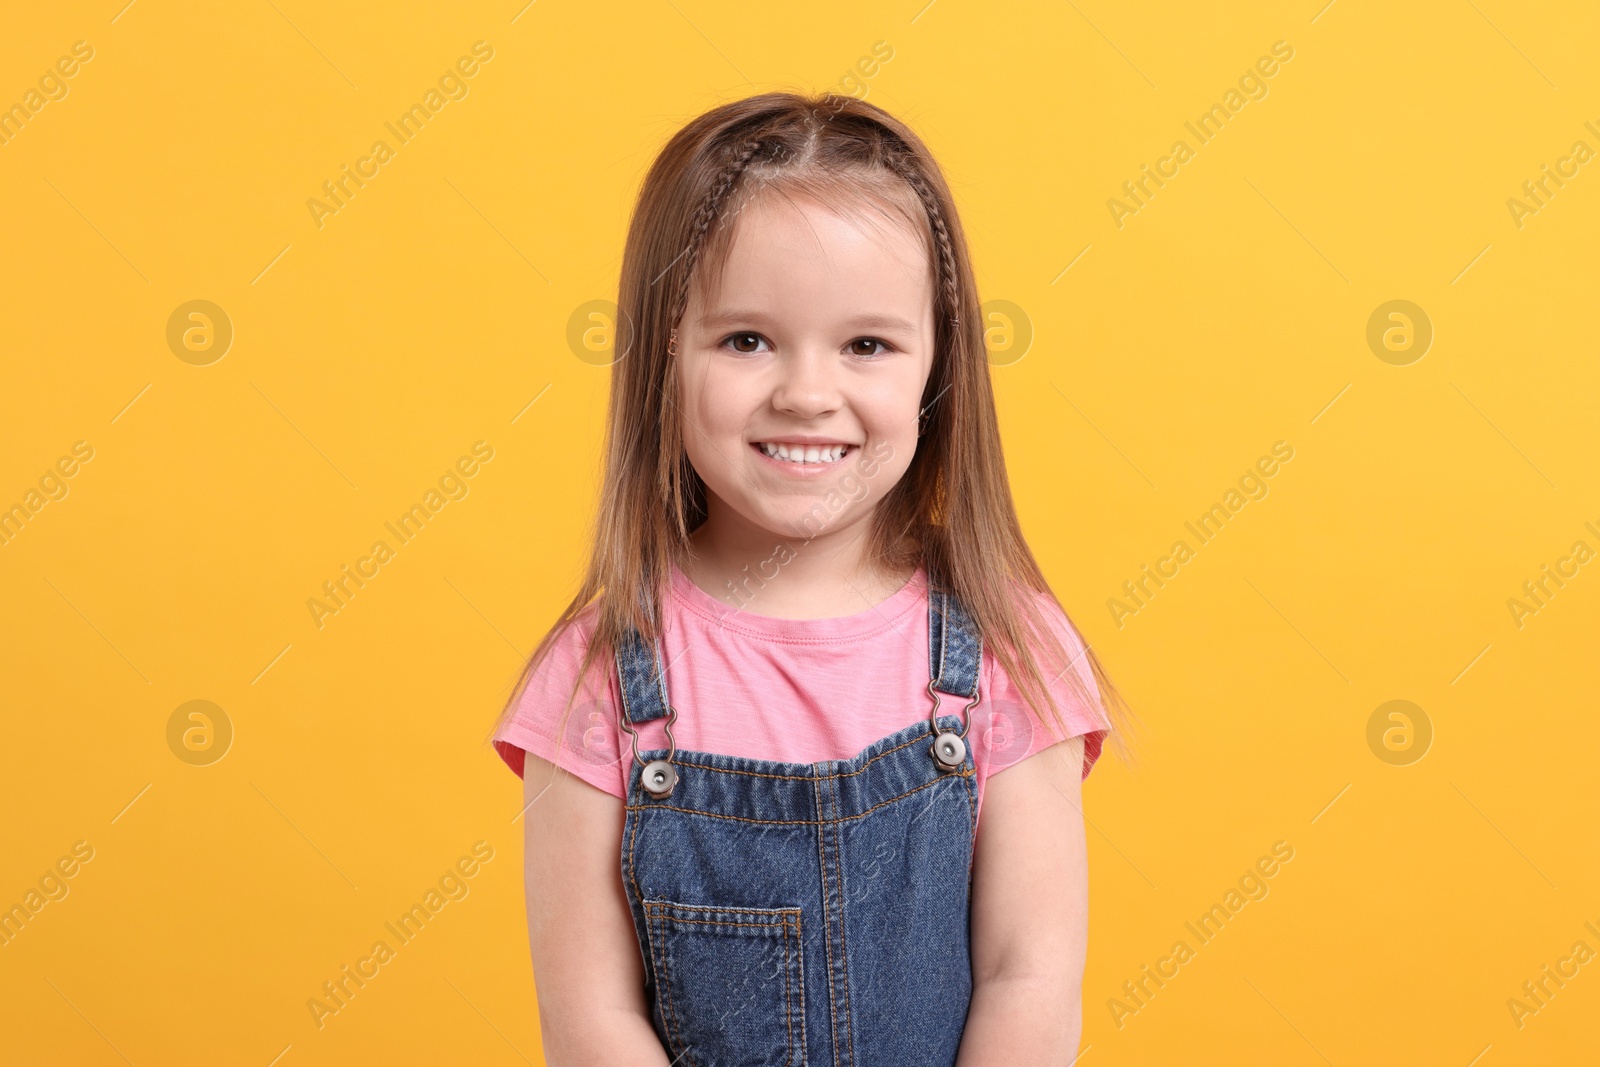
807, 386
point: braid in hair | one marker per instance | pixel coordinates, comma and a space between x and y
941, 232
948, 277
703, 218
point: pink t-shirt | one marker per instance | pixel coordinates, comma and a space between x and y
791, 690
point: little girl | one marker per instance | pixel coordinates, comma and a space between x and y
809, 635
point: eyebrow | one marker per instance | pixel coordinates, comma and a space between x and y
875, 320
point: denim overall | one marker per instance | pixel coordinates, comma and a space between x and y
806, 913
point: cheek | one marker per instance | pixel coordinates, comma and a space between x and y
711, 405
889, 462
890, 414
713, 414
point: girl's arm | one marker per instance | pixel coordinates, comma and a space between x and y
586, 964
1030, 915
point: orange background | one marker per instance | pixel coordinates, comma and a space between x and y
1142, 369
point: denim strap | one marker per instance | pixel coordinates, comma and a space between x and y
955, 652
644, 689
955, 648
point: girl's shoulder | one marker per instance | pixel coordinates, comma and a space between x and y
1068, 677
561, 650
1057, 628
1059, 625
561, 717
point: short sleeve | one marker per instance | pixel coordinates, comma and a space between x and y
588, 742
1015, 730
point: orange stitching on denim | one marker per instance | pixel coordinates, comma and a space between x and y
844, 946
800, 969
668, 905
788, 991
633, 872
968, 773
827, 926
657, 950
665, 984
663, 914
971, 805
633, 877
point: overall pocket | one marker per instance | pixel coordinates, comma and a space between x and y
728, 983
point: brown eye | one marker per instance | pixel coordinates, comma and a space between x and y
855, 346
740, 340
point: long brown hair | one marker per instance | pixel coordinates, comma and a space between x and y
951, 512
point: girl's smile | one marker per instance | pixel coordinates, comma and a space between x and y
802, 456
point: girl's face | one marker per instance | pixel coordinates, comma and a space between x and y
800, 381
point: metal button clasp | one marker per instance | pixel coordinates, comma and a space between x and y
659, 775
949, 749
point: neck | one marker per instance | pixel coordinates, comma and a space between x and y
754, 570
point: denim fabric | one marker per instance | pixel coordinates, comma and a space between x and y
807, 913
954, 649
644, 689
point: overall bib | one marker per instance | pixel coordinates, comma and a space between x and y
806, 913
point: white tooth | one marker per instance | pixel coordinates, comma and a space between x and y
813, 454
783, 451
